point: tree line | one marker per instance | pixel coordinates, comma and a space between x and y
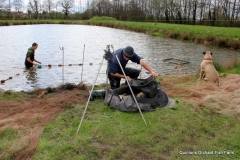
203, 12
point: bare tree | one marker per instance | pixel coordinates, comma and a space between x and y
201, 7
117, 7
209, 12
233, 10
179, 11
155, 7
18, 5
67, 6
237, 10
35, 7
48, 6
195, 3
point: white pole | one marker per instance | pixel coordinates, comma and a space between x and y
131, 91
82, 62
89, 98
62, 64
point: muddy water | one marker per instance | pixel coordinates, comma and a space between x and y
15, 40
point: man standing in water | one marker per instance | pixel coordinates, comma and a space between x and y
29, 61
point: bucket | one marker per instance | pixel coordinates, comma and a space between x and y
39, 66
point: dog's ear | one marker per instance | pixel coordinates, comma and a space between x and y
203, 53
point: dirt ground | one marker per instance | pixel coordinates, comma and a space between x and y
32, 114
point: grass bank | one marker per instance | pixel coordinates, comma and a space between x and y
226, 37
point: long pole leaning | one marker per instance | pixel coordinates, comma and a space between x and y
131, 91
89, 98
107, 78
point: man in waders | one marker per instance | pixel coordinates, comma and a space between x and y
124, 55
29, 61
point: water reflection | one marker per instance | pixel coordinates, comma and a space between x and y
73, 38
32, 77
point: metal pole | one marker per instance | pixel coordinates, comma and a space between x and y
141, 70
82, 62
107, 79
89, 98
131, 91
62, 64
108, 48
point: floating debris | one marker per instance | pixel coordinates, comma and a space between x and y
175, 61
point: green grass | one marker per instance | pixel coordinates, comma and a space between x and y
9, 95
7, 137
227, 37
111, 134
199, 30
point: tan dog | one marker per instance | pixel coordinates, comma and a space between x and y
208, 71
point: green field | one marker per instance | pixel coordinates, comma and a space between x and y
111, 134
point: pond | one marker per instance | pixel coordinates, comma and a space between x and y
90, 41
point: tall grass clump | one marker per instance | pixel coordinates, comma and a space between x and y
234, 44
221, 42
209, 39
8, 23
232, 65
184, 36
219, 67
198, 40
102, 18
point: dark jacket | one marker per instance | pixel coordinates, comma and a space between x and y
30, 53
114, 66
